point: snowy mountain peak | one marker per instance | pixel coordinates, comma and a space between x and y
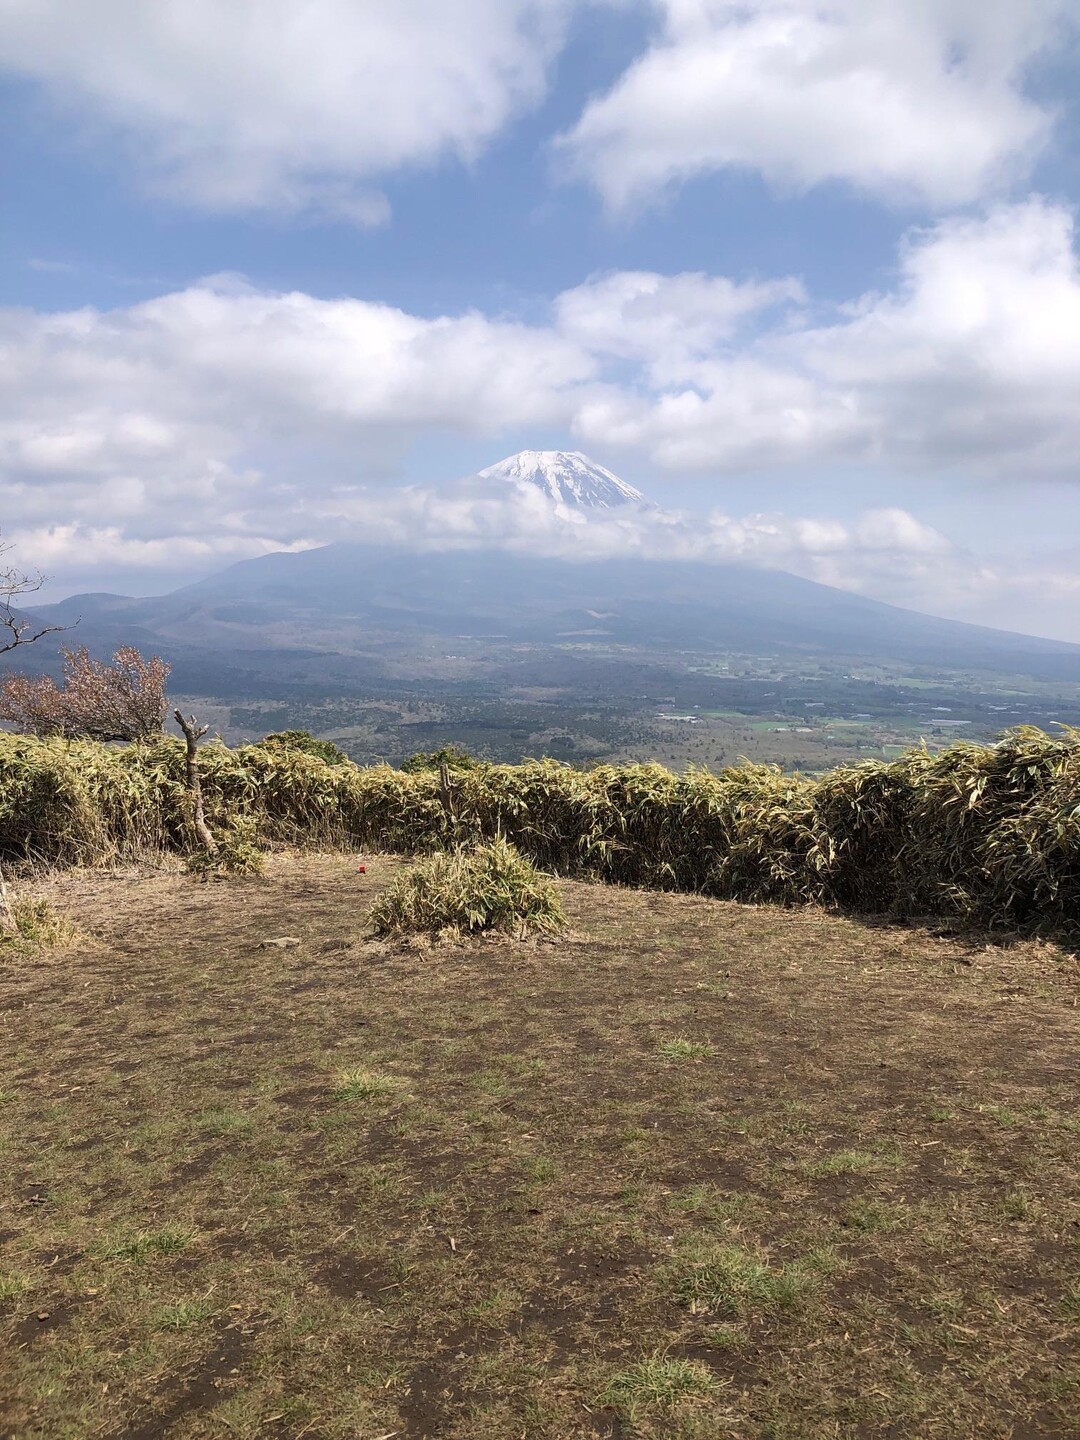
566, 477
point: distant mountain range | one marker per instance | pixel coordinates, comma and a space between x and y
345, 616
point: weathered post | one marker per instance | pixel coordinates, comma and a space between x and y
193, 733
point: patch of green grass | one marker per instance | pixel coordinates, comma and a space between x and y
169, 1240
1015, 1205
540, 1169
495, 1309
938, 1115
364, 1085
724, 1337
795, 1124
660, 1383
946, 1305
1070, 1302
870, 1217
1002, 1115
432, 1199
710, 1206
528, 1067
854, 1162
217, 1121
375, 1181
727, 1279
634, 1196
634, 1135
680, 1047
12, 1286
1061, 1388
244, 1415
182, 1315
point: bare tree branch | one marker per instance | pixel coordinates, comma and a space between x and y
20, 630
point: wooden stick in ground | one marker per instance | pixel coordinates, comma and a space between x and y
446, 795
7, 915
193, 733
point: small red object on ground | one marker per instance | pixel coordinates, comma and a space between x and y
361, 869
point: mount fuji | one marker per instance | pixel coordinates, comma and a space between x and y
345, 615
567, 477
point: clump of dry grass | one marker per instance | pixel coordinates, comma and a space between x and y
490, 887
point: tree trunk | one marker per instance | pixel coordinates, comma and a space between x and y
193, 734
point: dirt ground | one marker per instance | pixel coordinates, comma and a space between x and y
701, 1170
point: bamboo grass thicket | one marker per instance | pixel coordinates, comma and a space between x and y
983, 832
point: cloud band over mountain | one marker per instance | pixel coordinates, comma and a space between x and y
222, 420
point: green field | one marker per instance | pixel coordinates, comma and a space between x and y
606, 704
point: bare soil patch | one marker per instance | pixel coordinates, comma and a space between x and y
346, 1189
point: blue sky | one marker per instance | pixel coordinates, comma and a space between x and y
806, 274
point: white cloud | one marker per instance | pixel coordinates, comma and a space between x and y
1032, 594
971, 363
886, 553
664, 321
910, 100
235, 104
269, 104
172, 388
51, 267
976, 354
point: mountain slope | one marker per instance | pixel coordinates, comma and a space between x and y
349, 611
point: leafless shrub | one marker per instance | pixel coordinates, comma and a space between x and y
97, 701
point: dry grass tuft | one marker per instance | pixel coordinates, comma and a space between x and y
490, 887
37, 923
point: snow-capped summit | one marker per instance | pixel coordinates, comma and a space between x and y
567, 477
